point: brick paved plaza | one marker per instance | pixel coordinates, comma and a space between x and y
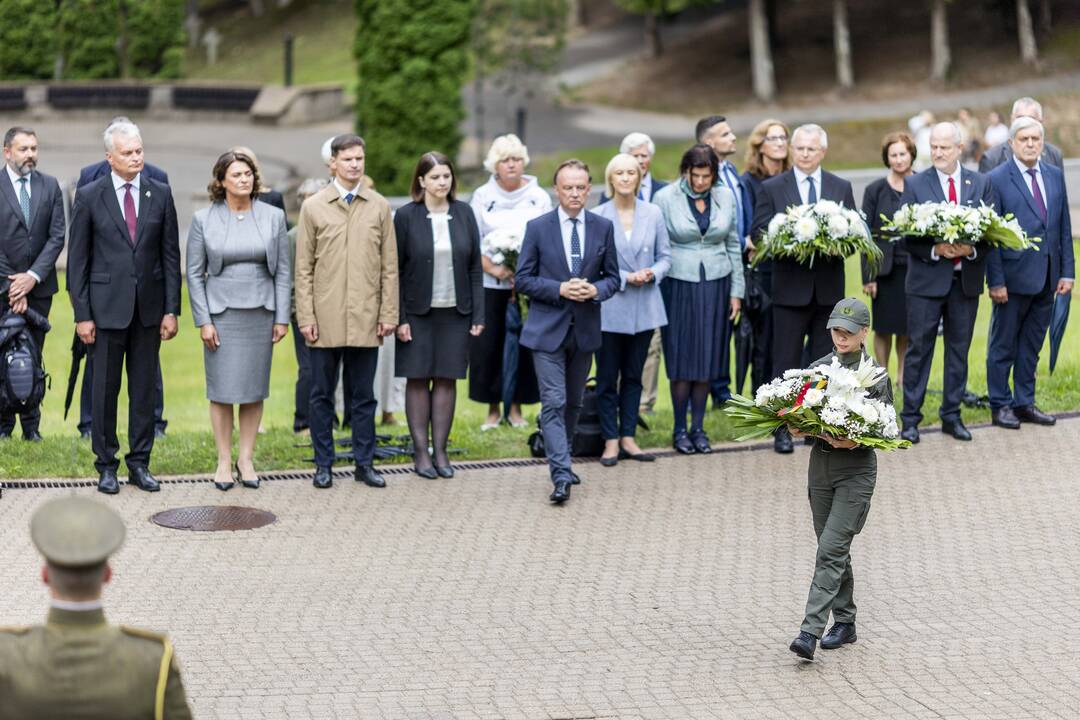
660, 591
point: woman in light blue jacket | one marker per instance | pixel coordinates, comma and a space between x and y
629, 317
703, 290
239, 278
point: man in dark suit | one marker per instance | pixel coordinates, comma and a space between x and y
944, 282
803, 295
124, 278
1051, 155
1023, 284
567, 267
87, 175
31, 238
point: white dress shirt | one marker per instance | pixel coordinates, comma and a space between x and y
646, 187
943, 179
567, 227
15, 177
343, 191
443, 294
804, 187
118, 185
1027, 178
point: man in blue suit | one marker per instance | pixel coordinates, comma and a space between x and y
567, 267
944, 282
87, 175
1023, 283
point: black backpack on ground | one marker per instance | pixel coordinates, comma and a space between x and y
588, 440
22, 375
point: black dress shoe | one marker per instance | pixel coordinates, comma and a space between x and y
839, 634
574, 479
956, 429
701, 443
609, 461
804, 645
323, 477
224, 486
782, 441
426, 473
561, 493
141, 478
32, 436
108, 482
969, 399
367, 475
911, 434
683, 444
1005, 418
1033, 414
445, 471
253, 484
636, 457
159, 432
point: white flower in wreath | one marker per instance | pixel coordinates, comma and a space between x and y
813, 397
806, 229
829, 208
839, 226
833, 416
777, 222
869, 413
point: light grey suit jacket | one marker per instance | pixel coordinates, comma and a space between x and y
636, 309
205, 262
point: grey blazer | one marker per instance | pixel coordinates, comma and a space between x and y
637, 309
205, 262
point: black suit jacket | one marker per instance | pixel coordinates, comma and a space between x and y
106, 274
416, 256
795, 284
35, 247
926, 276
90, 173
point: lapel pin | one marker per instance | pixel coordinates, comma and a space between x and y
966, 182
147, 193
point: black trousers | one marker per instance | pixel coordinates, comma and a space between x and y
619, 365
302, 394
30, 421
86, 402
136, 348
796, 329
924, 313
358, 366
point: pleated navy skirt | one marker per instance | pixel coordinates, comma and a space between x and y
695, 335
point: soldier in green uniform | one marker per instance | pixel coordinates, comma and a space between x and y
841, 481
76, 666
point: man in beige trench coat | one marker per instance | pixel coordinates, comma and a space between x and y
346, 302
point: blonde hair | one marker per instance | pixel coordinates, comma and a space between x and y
622, 161
505, 146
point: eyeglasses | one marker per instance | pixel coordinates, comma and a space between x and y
776, 138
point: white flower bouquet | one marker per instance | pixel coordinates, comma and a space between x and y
959, 224
826, 228
824, 400
503, 246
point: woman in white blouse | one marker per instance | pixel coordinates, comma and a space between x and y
442, 304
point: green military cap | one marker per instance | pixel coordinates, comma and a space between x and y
850, 314
76, 531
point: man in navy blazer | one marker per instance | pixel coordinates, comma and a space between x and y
943, 283
567, 267
1023, 283
87, 175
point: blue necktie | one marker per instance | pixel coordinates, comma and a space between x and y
349, 197
24, 201
575, 249
732, 181
811, 195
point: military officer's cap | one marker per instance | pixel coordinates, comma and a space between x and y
850, 314
76, 532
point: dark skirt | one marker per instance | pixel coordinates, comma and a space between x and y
890, 305
694, 338
439, 347
486, 356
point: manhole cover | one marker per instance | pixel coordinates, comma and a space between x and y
211, 518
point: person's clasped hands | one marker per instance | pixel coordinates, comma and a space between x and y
578, 290
640, 277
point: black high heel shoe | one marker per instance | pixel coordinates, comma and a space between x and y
426, 473
253, 484
224, 486
445, 471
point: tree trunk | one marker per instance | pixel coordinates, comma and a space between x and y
760, 53
772, 17
845, 77
1044, 18
653, 46
940, 57
1025, 31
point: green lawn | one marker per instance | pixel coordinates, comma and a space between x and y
189, 446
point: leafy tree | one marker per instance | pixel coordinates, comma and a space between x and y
155, 38
28, 46
412, 59
88, 33
654, 11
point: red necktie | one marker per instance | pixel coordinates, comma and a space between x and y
129, 212
954, 201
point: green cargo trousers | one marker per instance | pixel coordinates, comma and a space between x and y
841, 483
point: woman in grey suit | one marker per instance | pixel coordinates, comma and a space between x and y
629, 318
703, 290
239, 277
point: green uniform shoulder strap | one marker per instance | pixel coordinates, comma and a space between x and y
163, 671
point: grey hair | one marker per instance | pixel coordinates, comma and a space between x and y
327, 156
1027, 102
958, 137
309, 187
812, 128
1023, 123
125, 128
637, 139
